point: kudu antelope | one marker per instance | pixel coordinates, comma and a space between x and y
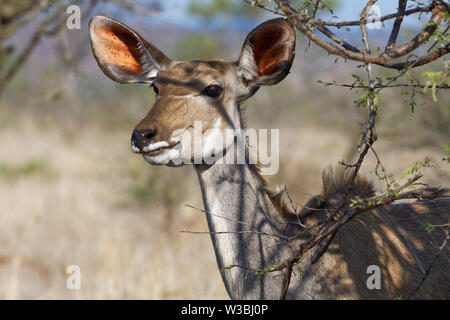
211, 92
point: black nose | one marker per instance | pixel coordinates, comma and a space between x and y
141, 139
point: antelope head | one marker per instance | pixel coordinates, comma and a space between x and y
189, 91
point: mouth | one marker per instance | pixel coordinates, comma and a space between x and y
160, 150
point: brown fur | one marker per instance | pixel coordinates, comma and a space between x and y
392, 237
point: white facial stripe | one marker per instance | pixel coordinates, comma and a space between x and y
181, 97
155, 146
210, 141
176, 135
218, 123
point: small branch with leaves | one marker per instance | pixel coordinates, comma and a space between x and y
304, 18
308, 25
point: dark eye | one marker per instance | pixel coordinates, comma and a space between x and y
155, 89
213, 90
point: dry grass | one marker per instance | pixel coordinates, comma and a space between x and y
77, 216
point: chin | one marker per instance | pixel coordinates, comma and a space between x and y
167, 157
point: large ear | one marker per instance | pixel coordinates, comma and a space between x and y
123, 54
268, 52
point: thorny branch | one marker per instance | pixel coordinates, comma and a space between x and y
353, 86
251, 229
428, 270
349, 215
43, 31
396, 27
312, 28
307, 25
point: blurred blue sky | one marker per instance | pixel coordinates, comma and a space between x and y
176, 14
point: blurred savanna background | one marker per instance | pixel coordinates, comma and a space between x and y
73, 193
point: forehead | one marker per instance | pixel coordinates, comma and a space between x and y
194, 74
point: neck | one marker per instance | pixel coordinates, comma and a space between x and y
238, 212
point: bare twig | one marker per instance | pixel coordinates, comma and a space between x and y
219, 216
50, 18
376, 202
397, 23
35, 39
353, 86
383, 18
256, 233
428, 270
384, 59
253, 229
27, 17
324, 248
293, 207
286, 280
379, 164
261, 5
436, 54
